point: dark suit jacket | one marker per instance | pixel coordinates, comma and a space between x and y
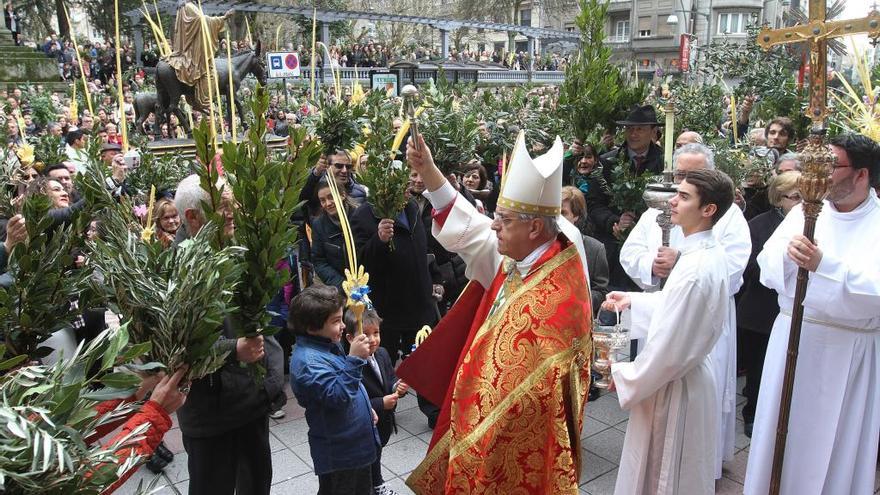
758, 306
376, 389
597, 268
604, 216
450, 266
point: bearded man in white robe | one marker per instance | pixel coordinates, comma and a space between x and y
835, 406
669, 388
646, 261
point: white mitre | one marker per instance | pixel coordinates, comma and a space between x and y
534, 186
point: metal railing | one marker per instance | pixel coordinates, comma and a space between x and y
347, 75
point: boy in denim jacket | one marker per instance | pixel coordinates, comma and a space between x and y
343, 439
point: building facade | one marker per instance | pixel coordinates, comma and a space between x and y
647, 34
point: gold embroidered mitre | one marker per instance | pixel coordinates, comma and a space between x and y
533, 186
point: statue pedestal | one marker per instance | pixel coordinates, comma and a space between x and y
22, 65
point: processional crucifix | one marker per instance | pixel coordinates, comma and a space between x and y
815, 179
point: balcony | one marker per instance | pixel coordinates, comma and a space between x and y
617, 6
618, 42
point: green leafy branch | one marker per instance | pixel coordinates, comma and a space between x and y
385, 176
266, 193
44, 281
449, 132
50, 419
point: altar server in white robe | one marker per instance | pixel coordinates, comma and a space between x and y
669, 388
646, 261
835, 407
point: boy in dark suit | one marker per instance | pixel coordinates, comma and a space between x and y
383, 387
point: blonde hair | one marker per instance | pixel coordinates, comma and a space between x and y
782, 185
159, 212
576, 201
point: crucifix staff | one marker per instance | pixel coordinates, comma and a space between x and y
815, 178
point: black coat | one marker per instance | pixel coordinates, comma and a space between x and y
757, 202
597, 268
377, 389
231, 397
400, 284
450, 266
328, 251
601, 213
8, 17
758, 306
604, 216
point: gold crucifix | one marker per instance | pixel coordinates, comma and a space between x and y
817, 33
813, 182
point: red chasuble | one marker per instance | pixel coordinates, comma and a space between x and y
513, 384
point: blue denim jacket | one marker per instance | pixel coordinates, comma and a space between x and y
327, 383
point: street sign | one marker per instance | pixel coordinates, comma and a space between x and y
385, 81
282, 64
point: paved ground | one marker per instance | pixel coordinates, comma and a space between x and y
602, 443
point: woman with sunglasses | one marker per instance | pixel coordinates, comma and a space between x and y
757, 307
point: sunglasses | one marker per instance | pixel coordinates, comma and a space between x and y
793, 196
340, 165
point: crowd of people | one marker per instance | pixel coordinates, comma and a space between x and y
374, 54
514, 271
417, 282
99, 58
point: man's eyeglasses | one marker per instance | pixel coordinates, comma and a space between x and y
340, 165
506, 220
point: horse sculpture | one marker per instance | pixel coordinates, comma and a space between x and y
169, 89
144, 105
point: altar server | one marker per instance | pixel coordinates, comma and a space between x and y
646, 261
669, 388
835, 407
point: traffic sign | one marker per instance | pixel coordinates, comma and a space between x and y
282, 64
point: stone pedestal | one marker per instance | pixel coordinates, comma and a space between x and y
22, 65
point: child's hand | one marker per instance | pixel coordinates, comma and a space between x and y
389, 401
375, 416
401, 388
360, 347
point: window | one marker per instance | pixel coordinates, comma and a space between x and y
645, 27
621, 31
525, 17
733, 22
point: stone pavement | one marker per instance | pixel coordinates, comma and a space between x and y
602, 441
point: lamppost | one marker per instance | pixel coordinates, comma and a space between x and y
672, 21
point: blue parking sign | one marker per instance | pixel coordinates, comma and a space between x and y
282, 65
